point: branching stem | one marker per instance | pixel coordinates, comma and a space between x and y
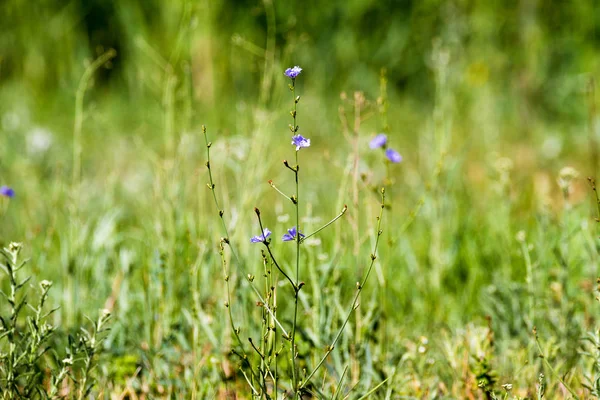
360, 287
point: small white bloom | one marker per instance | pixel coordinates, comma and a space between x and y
39, 141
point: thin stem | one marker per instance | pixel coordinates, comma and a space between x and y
592, 123
274, 282
592, 182
280, 192
537, 342
370, 392
255, 375
212, 186
221, 213
226, 240
267, 245
529, 280
254, 391
360, 287
79, 95
297, 204
256, 349
266, 324
327, 224
228, 305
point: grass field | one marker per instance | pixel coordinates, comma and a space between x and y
473, 277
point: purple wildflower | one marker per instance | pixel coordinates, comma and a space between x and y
261, 238
291, 235
393, 155
6, 191
300, 141
378, 141
293, 72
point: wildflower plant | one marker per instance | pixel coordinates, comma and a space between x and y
27, 341
591, 340
277, 355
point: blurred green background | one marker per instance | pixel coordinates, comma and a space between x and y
486, 100
534, 53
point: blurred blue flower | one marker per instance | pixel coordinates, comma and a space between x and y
300, 141
291, 235
293, 72
261, 238
378, 141
6, 191
393, 155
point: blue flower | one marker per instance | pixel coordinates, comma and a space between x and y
291, 235
293, 72
378, 141
6, 191
261, 238
300, 141
393, 155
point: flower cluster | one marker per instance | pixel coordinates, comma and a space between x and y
380, 141
292, 234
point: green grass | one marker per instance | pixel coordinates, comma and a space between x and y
486, 103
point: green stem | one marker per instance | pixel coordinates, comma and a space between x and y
360, 287
326, 225
297, 204
212, 186
537, 342
226, 240
81, 89
280, 192
529, 279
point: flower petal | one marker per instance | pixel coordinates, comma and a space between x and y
7, 191
292, 73
300, 141
378, 141
393, 155
261, 238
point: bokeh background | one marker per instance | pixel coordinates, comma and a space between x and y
487, 101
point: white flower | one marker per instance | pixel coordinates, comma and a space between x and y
39, 141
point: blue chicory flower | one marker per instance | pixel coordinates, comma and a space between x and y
300, 141
261, 238
378, 141
7, 191
291, 235
293, 72
393, 155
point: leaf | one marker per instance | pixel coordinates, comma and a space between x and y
20, 305
50, 312
23, 283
